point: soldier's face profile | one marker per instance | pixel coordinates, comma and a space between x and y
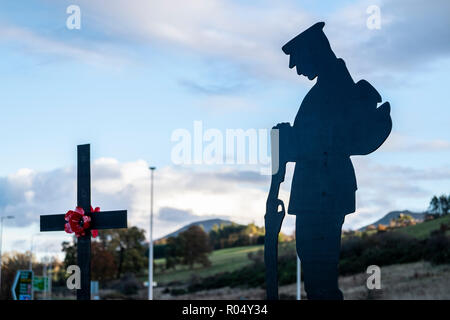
303, 64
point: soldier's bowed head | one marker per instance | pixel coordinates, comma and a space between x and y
309, 51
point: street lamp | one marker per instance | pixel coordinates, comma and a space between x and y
150, 243
30, 266
1, 243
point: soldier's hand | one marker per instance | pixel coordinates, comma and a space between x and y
282, 125
274, 218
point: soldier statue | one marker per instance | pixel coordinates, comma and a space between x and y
338, 118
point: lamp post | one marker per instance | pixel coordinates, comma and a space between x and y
47, 272
30, 266
1, 243
44, 274
150, 243
50, 276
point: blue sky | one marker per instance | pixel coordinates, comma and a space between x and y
136, 71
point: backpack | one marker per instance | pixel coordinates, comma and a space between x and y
373, 124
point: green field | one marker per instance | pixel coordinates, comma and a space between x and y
222, 260
423, 230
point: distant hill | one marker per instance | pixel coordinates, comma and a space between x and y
206, 224
394, 215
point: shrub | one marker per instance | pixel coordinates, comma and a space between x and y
178, 291
438, 249
380, 249
391, 248
128, 284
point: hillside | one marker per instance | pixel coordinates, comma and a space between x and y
223, 260
235, 258
394, 215
206, 224
423, 230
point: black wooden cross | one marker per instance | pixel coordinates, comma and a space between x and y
99, 220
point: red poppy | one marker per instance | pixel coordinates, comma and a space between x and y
95, 232
77, 222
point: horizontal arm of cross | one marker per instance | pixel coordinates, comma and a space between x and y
99, 220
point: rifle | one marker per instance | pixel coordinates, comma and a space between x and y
274, 218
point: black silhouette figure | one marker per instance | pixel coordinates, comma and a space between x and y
337, 118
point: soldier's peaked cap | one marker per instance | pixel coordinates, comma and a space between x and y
307, 38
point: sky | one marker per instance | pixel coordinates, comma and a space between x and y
137, 72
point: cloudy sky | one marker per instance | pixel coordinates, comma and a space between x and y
138, 70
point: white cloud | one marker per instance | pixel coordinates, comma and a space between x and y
384, 188
238, 196
183, 195
252, 35
411, 39
29, 41
249, 35
398, 142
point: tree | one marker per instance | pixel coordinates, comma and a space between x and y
189, 247
128, 248
114, 253
103, 266
434, 205
173, 252
440, 205
444, 204
71, 252
11, 263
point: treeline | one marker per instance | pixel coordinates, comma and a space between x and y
119, 258
439, 205
193, 245
14, 261
235, 235
385, 248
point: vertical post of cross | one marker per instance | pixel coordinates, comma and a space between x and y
84, 201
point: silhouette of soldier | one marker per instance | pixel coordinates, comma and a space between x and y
337, 118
